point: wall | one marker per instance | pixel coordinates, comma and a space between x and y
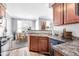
25, 24
6, 24
14, 25
48, 23
19, 23
37, 24
9, 25
49, 16
2, 26
71, 27
29, 10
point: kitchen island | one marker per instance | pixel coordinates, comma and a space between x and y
68, 48
39, 41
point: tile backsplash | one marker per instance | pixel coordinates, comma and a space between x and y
74, 28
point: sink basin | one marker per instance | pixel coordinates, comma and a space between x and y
55, 41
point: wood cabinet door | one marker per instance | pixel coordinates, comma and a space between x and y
2, 11
43, 44
76, 15
71, 16
34, 43
70, 10
58, 14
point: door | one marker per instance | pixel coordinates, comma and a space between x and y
71, 16
43, 44
70, 10
33, 43
58, 14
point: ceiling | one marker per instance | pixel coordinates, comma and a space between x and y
28, 10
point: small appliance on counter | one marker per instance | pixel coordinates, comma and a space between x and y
67, 34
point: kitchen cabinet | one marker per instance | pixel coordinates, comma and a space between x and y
33, 43
58, 14
39, 44
72, 17
43, 44
70, 13
65, 13
2, 10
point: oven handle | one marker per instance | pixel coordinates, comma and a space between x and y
4, 42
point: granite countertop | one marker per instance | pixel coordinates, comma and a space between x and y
47, 33
70, 48
42, 35
58, 38
61, 38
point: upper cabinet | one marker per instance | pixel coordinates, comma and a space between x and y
58, 14
67, 13
2, 10
72, 17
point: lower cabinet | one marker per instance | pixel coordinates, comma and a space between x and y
39, 44
33, 43
43, 44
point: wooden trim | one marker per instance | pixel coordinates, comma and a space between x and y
67, 24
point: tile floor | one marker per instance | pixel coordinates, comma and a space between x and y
19, 49
23, 52
15, 44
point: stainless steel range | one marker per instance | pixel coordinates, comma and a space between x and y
4, 45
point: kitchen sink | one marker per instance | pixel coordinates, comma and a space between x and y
55, 41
